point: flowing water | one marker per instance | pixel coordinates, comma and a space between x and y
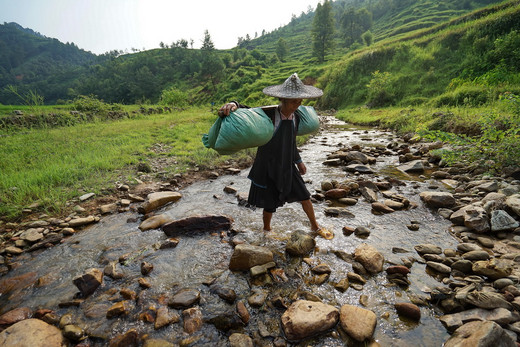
203, 257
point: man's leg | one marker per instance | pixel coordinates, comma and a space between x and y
266, 217
309, 211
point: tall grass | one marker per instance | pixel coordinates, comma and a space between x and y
52, 166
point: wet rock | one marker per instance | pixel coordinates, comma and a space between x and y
480, 334
307, 318
185, 298
192, 320
398, 269
243, 313
427, 248
486, 242
224, 293
246, 256
240, 340
128, 339
143, 283
370, 195
159, 199
476, 255
501, 220
336, 193
146, 268
154, 222
408, 310
394, 205
258, 298
118, 309
371, 259
357, 322
300, 243
164, 318
111, 271
488, 187
412, 166
463, 265
157, 343
171, 242
348, 201
439, 267
362, 169
342, 285
382, 208
208, 223
338, 212
468, 247
476, 218
501, 316
77, 222
226, 321
493, 268
362, 232
89, 281
513, 203
438, 199
14, 316
261, 269
31, 332
108, 208
72, 332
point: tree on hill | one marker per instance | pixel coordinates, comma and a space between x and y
281, 49
354, 24
212, 66
322, 30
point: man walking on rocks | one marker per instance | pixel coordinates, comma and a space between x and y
276, 175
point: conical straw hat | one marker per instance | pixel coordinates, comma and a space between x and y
293, 88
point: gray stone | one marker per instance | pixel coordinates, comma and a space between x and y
184, 298
476, 255
428, 249
439, 267
463, 265
476, 218
513, 203
32, 235
307, 318
494, 268
363, 169
108, 208
86, 196
240, 340
82, 221
501, 220
480, 334
488, 187
412, 166
246, 256
438, 199
468, 247
499, 315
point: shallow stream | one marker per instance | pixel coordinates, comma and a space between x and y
202, 258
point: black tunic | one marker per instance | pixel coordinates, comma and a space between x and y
275, 179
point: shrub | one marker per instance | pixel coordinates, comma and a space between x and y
174, 97
90, 103
378, 89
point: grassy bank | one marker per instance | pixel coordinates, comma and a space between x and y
54, 165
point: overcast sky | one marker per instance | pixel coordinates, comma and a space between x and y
100, 26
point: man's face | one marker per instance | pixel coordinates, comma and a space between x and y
291, 104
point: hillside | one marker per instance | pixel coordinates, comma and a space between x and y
60, 72
32, 61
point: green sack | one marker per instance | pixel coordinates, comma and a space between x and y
244, 128
309, 120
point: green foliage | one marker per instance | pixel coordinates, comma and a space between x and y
498, 144
84, 103
368, 38
174, 97
379, 93
30, 98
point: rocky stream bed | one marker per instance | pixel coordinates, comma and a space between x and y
422, 254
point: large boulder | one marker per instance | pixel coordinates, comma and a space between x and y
493, 268
307, 318
191, 224
31, 332
412, 166
438, 199
246, 256
371, 259
513, 203
358, 323
501, 220
154, 222
480, 334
